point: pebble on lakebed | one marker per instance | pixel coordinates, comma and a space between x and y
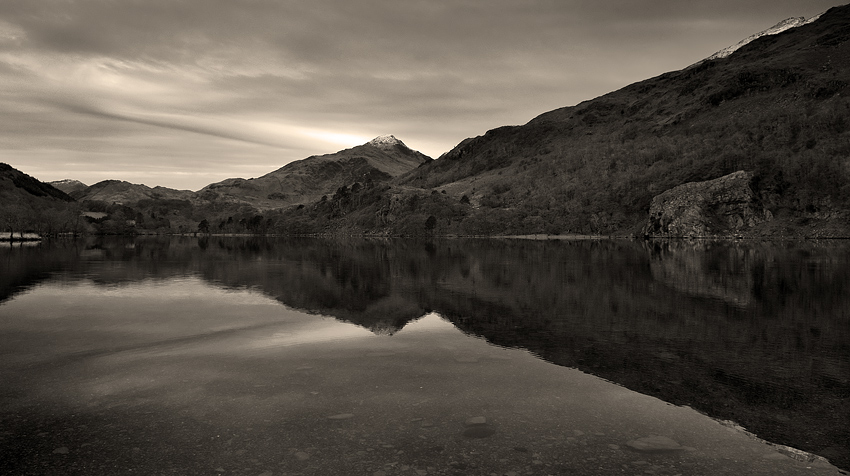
477, 427
341, 416
479, 420
652, 444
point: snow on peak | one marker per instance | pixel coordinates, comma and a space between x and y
814, 18
385, 142
67, 183
786, 24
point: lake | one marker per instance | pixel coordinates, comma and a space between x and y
262, 357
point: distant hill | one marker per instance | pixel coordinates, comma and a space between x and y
69, 186
231, 206
303, 181
120, 192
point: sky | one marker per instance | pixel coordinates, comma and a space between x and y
184, 93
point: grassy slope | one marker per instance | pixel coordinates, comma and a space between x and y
307, 180
778, 107
25, 200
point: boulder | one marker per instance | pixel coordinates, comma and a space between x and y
719, 208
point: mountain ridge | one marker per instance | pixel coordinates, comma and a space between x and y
13, 178
784, 25
68, 185
776, 108
308, 179
773, 105
29, 205
121, 192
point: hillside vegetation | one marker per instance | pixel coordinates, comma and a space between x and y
307, 180
777, 109
27, 204
333, 181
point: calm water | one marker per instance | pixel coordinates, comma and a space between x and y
264, 357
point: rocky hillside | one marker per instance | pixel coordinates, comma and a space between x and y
777, 108
786, 24
307, 180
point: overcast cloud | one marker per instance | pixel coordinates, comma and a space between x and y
186, 93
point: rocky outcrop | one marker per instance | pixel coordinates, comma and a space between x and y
723, 207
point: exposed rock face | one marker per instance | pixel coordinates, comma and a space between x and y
722, 207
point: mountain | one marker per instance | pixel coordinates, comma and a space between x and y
27, 204
13, 182
69, 186
120, 192
231, 206
306, 180
776, 108
762, 133
786, 24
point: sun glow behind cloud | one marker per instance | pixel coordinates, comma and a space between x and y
347, 140
207, 87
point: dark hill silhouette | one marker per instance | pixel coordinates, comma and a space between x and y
777, 107
13, 181
29, 205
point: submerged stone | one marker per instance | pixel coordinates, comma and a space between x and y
651, 444
479, 420
341, 416
479, 431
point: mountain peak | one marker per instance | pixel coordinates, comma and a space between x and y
69, 185
385, 142
786, 24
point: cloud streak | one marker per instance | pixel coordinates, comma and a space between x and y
221, 128
228, 82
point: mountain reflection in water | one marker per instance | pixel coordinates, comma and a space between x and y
755, 333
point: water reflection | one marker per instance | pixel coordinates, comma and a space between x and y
754, 333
